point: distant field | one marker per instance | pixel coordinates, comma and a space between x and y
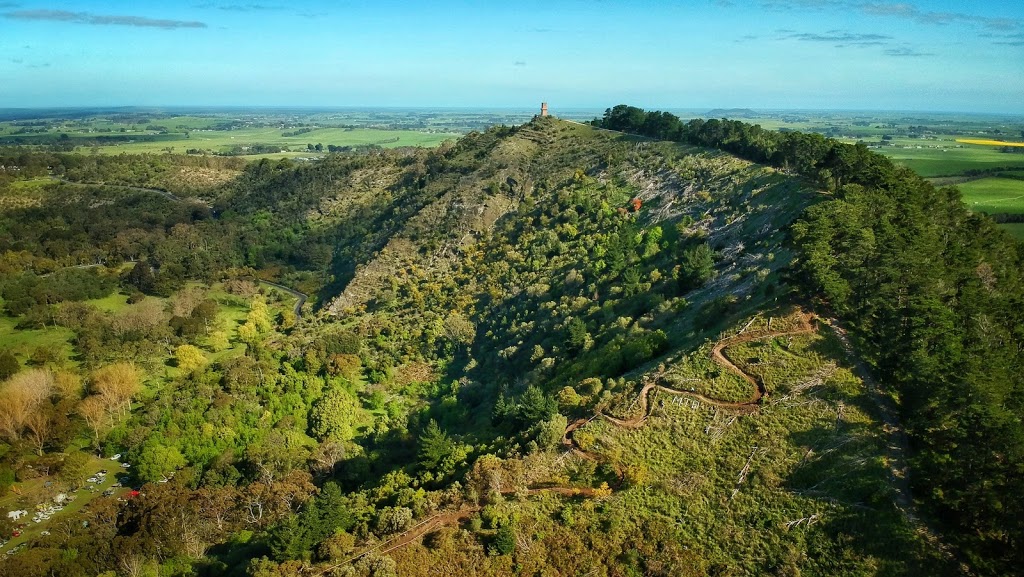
930, 144
228, 133
224, 141
929, 162
994, 195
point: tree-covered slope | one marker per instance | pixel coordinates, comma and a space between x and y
932, 292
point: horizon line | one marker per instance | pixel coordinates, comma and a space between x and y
568, 108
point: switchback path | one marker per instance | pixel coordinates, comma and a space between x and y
441, 519
805, 325
898, 446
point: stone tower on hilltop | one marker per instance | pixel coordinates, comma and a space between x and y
543, 108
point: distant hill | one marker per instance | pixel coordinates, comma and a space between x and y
731, 113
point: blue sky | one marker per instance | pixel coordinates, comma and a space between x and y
936, 55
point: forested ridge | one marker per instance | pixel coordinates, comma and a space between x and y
530, 352
932, 292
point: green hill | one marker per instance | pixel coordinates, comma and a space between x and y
546, 349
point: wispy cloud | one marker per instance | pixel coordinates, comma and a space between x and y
1005, 39
239, 7
905, 10
100, 19
840, 38
26, 64
519, 63
9, 5
905, 52
911, 12
786, 5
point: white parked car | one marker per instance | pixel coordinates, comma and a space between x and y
116, 457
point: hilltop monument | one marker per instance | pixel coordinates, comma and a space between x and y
543, 108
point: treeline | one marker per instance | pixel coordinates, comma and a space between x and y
829, 163
251, 149
318, 147
933, 294
297, 132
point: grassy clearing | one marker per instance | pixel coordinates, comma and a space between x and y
735, 486
25, 342
114, 303
232, 313
994, 195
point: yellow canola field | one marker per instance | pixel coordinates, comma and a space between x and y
988, 142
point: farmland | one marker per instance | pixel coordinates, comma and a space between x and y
246, 141
994, 195
251, 134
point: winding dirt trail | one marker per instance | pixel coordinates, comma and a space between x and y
805, 325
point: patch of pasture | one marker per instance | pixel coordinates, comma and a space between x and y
994, 195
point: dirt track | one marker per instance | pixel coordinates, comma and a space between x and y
717, 353
752, 404
898, 446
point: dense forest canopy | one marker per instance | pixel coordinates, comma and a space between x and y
543, 349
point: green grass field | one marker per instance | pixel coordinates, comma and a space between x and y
225, 140
937, 160
222, 141
115, 302
994, 195
24, 342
